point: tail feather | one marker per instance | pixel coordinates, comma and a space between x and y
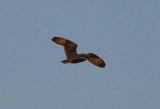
65, 61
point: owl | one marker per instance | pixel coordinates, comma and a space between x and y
73, 57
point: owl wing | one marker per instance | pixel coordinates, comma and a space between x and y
96, 60
70, 47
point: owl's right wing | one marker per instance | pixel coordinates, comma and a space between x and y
69, 46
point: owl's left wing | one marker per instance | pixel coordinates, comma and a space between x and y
96, 60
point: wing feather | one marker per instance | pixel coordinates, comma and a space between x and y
94, 59
70, 47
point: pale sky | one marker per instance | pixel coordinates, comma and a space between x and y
125, 33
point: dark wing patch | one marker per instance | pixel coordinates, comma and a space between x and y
69, 46
96, 60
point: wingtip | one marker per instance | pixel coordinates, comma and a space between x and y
103, 65
54, 39
59, 40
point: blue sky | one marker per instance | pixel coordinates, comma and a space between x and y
125, 33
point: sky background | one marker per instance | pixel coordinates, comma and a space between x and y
125, 33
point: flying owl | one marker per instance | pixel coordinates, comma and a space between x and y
73, 57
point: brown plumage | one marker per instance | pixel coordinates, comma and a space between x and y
70, 49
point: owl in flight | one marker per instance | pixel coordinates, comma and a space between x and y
73, 57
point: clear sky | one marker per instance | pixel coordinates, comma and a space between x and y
125, 33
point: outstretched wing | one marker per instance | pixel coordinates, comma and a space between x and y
69, 46
94, 59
